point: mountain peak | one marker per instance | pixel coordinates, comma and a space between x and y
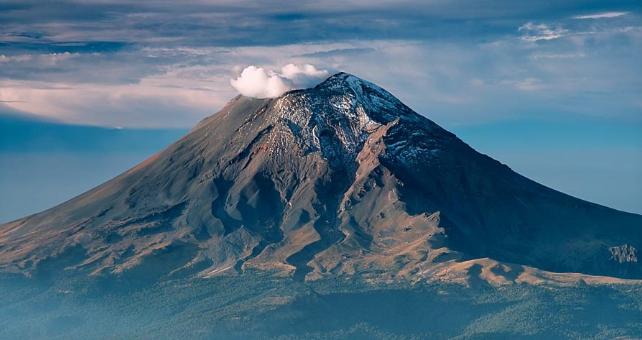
341, 77
356, 98
343, 81
338, 115
339, 179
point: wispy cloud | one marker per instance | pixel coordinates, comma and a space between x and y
603, 15
558, 55
131, 105
528, 84
536, 32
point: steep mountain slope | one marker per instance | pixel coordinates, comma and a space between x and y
337, 180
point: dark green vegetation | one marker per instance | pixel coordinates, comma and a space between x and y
258, 305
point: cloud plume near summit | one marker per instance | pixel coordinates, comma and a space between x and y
259, 82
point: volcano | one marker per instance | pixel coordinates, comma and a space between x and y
337, 180
329, 212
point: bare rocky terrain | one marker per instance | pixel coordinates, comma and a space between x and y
321, 196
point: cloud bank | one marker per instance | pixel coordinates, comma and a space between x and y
261, 83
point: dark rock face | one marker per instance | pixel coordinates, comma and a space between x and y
340, 179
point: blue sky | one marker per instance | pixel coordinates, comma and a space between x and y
552, 89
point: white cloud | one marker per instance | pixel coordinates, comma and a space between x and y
535, 32
304, 75
261, 83
604, 15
